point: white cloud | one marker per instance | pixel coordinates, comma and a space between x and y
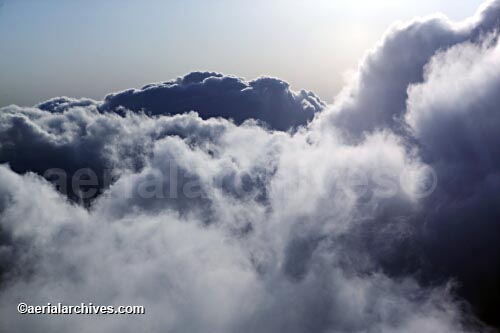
317, 230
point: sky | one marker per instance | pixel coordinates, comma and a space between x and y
224, 203
88, 48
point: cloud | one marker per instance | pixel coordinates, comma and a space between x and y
377, 216
434, 83
376, 98
178, 266
278, 246
454, 115
215, 95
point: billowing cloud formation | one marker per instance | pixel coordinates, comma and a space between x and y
376, 99
215, 95
269, 256
454, 115
380, 219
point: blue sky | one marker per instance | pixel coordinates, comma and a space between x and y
89, 48
376, 213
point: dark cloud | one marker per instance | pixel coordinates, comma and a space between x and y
69, 134
380, 215
266, 99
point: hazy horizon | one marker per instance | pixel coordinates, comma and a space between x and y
91, 48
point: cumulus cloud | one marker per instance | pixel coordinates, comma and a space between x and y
215, 95
454, 115
377, 216
285, 271
376, 97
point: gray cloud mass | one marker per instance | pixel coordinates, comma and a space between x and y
225, 205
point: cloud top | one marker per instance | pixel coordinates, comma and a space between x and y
377, 214
266, 99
